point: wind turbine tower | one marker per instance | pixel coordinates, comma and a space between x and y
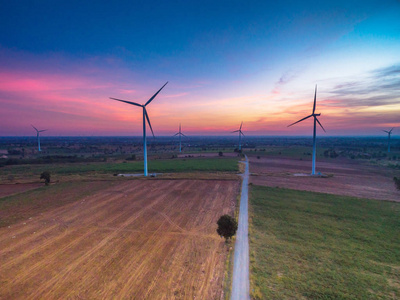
389, 134
180, 137
38, 136
240, 135
145, 117
314, 115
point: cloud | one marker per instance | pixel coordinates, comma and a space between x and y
377, 88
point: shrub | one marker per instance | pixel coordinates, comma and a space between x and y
46, 176
396, 182
132, 157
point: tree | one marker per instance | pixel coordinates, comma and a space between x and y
220, 153
396, 182
227, 226
46, 176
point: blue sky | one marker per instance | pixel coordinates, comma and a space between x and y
226, 61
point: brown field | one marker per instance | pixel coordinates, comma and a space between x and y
10, 189
153, 239
350, 177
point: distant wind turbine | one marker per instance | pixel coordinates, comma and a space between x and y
240, 135
389, 134
38, 135
145, 116
180, 137
315, 129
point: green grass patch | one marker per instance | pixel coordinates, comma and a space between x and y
158, 166
297, 152
308, 245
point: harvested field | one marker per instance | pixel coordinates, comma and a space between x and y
10, 189
138, 239
350, 178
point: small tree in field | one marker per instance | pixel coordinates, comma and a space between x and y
396, 182
46, 176
227, 226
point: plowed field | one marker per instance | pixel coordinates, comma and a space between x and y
9, 189
152, 239
348, 178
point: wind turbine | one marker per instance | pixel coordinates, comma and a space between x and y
240, 135
145, 116
389, 134
38, 136
180, 137
315, 129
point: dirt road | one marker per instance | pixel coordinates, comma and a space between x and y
241, 279
140, 239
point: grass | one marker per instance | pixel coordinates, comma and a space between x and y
308, 245
296, 152
158, 166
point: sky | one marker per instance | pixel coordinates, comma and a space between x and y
225, 62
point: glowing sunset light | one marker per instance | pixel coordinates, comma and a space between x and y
257, 63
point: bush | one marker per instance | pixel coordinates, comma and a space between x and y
46, 176
132, 157
220, 153
227, 226
396, 182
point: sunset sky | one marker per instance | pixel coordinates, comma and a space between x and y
226, 62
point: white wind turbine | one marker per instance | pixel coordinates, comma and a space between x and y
240, 135
38, 135
180, 137
315, 129
145, 116
389, 134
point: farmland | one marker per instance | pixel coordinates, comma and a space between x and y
307, 245
137, 239
344, 177
27, 173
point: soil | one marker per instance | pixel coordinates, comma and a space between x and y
344, 177
139, 239
10, 189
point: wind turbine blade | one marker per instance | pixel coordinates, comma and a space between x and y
320, 124
148, 121
385, 131
43, 130
242, 133
391, 130
315, 99
241, 126
176, 134
183, 135
235, 131
179, 127
129, 102
34, 127
151, 99
300, 120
